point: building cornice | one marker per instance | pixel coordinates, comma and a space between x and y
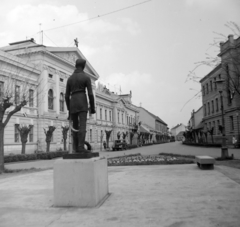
218, 67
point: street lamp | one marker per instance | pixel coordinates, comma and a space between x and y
238, 142
220, 87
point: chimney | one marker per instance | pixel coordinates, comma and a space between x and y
230, 40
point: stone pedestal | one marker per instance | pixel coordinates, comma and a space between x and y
80, 182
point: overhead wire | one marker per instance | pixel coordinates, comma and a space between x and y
98, 16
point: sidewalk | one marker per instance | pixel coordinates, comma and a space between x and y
167, 196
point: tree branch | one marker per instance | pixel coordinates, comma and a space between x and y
16, 109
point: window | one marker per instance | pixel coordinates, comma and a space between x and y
210, 125
203, 90
208, 108
17, 94
30, 97
105, 115
218, 124
100, 113
231, 123
1, 90
122, 117
16, 134
215, 84
31, 135
90, 134
214, 128
110, 116
230, 96
212, 106
50, 99
118, 118
217, 105
219, 76
205, 110
211, 86
61, 80
207, 88
61, 102
50, 76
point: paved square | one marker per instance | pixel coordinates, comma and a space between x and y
168, 195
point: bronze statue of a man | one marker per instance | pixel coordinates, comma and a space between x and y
77, 105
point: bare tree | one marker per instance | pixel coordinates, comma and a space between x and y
230, 62
108, 134
49, 134
14, 95
64, 133
24, 131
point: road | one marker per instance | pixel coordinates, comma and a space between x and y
174, 147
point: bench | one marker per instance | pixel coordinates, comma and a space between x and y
205, 162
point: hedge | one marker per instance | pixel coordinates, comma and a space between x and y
203, 144
28, 157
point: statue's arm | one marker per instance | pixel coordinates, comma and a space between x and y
67, 94
90, 96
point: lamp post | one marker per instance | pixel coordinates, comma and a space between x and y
238, 138
220, 86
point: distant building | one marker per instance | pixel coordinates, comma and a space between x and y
152, 123
113, 112
179, 136
176, 129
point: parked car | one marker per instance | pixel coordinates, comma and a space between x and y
119, 145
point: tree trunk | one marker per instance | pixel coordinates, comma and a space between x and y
64, 145
48, 146
1, 149
23, 147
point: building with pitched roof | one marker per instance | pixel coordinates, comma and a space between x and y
48, 69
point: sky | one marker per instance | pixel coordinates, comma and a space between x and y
148, 49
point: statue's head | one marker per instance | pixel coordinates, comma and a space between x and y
80, 63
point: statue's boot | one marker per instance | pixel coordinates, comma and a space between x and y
75, 141
81, 141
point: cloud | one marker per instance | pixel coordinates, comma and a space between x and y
213, 4
146, 88
100, 26
89, 51
23, 21
132, 27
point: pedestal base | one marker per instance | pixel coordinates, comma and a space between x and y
81, 155
80, 182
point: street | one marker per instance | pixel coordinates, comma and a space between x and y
174, 147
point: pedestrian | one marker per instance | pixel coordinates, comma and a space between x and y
234, 141
104, 145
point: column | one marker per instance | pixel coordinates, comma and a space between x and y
57, 95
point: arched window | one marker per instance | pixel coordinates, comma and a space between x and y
50, 99
61, 102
